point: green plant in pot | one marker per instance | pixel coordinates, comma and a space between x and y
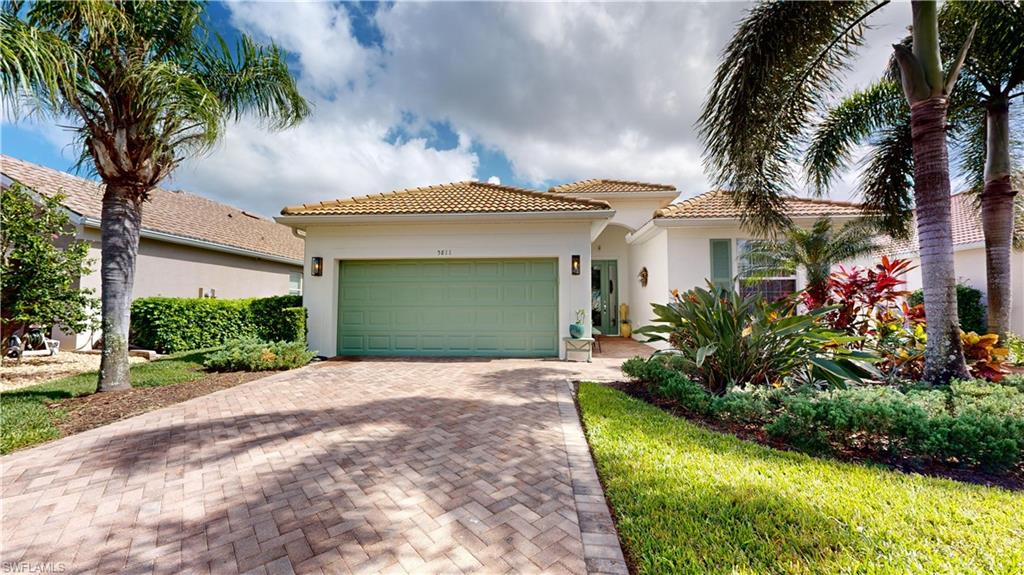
576, 329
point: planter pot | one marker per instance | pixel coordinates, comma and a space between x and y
576, 330
625, 330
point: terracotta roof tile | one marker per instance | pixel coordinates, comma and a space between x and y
600, 186
177, 213
719, 204
966, 223
454, 198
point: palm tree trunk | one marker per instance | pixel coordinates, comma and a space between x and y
997, 217
944, 356
122, 222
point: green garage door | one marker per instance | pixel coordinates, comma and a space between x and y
493, 308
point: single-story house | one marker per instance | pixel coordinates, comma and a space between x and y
969, 257
190, 246
480, 269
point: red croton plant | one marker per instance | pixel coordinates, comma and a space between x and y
871, 303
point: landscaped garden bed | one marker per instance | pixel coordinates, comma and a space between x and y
69, 405
691, 500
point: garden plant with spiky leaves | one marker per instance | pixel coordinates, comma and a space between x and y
816, 250
783, 62
979, 119
145, 85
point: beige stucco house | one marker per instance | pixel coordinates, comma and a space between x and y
190, 246
473, 268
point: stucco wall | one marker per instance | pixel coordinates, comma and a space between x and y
651, 253
548, 239
970, 270
173, 270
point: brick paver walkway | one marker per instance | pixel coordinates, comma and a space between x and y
366, 466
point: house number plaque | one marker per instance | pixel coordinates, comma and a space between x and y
444, 252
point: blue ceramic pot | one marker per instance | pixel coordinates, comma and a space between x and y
576, 330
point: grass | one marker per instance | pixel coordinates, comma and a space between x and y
25, 420
690, 500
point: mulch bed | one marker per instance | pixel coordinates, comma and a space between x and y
88, 411
1013, 479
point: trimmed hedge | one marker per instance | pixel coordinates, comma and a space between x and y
255, 355
170, 325
975, 423
969, 308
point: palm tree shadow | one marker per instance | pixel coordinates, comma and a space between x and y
313, 480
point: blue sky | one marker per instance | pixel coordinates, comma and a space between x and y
411, 94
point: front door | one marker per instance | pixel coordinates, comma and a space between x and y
604, 296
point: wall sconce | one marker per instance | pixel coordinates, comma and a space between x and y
575, 265
317, 267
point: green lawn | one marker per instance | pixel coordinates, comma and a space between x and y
689, 500
25, 419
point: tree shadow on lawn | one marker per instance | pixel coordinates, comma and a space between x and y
303, 482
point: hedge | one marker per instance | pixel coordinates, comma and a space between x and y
976, 423
170, 325
969, 308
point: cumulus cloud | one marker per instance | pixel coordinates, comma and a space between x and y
563, 91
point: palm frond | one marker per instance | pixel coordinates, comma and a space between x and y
849, 124
37, 67
776, 68
886, 182
252, 78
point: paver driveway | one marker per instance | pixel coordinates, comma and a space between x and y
365, 466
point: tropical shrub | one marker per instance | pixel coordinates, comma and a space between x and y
251, 354
986, 398
1015, 347
170, 325
741, 407
969, 308
723, 340
985, 359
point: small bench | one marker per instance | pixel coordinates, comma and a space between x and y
579, 345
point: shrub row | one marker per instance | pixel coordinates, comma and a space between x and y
170, 325
251, 354
976, 423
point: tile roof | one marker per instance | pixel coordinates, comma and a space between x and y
719, 204
584, 187
176, 213
966, 223
454, 198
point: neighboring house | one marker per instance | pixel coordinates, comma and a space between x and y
190, 246
969, 257
480, 269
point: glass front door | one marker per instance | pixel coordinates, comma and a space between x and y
604, 296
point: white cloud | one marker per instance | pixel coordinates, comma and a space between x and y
564, 91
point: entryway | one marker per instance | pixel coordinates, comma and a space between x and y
604, 298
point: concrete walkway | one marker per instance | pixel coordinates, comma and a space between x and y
350, 466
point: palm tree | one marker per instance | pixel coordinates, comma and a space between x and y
145, 85
816, 250
979, 126
781, 64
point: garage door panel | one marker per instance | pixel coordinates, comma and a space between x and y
450, 307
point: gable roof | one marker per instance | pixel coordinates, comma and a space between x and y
719, 204
603, 186
177, 214
455, 198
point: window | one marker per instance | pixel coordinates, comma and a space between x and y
776, 285
295, 283
721, 263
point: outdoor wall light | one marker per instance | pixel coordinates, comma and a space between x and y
575, 265
317, 267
